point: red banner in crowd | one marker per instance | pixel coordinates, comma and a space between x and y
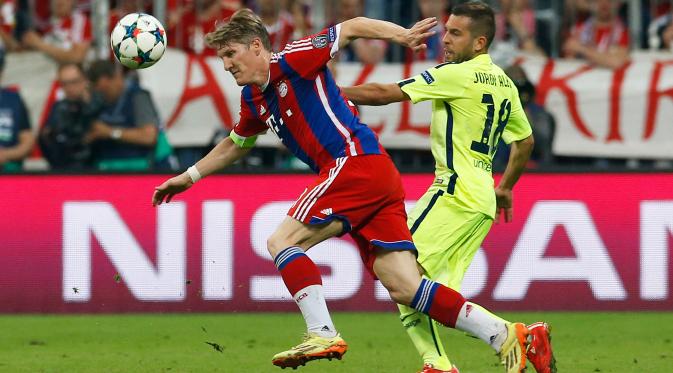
95, 244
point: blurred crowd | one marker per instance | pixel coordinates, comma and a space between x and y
106, 121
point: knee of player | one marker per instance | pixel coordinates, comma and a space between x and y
399, 291
274, 245
400, 296
277, 243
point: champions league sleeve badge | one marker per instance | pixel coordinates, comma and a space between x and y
319, 41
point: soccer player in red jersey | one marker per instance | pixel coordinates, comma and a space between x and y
357, 191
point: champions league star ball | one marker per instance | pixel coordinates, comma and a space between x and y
138, 40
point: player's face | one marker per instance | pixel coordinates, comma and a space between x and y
239, 60
459, 44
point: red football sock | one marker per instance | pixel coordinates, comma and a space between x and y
439, 302
297, 269
446, 306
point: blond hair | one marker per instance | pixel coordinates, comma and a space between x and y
242, 27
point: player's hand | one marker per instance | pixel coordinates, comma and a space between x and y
415, 36
503, 200
171, 187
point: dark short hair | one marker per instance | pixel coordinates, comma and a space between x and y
481, 16
76, 65
101, 68
242, 27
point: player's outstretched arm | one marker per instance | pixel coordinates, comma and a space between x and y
518, 157
223, 154
375, 94
367, 28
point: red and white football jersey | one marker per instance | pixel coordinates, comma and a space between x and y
65, 32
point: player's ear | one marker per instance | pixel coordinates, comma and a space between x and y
479, 43
256, 46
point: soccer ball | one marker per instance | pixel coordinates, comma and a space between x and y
138, 40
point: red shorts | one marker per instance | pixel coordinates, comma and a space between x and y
366, 194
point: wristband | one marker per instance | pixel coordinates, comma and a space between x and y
116, 134
194, 174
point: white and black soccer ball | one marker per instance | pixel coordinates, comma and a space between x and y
138, 40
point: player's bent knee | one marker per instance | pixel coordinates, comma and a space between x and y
276, 244
280, 241
399, 293
400, 297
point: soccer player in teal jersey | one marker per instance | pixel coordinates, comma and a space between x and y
474, 105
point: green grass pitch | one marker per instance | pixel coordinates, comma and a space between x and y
583, 342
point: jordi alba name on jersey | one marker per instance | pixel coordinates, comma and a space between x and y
303, 106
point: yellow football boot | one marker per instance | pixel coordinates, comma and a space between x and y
313, 347
513, 351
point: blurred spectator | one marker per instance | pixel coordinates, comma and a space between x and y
175, 9
577, 11
278, 22
16, 136
124, 135
657, 8
435, 52
515, 24
122, 8
603, 39
62, 139
8, 13
660, 32
541, 120
301, 15
67, 37
189, 23
574, 12
367, 51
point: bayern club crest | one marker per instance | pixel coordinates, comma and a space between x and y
282, 89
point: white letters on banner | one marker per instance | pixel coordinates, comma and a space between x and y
340, 256
656, 227
599, 112
165, 282
591, 263
527, 263
476, 275
217, 261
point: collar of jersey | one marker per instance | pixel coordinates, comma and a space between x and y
483, 58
